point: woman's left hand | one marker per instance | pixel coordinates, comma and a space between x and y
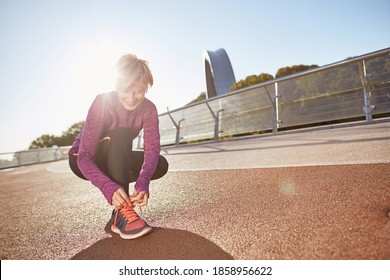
139, 199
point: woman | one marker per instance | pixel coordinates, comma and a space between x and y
102, 152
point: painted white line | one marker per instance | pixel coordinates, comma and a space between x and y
6, 170
22, 172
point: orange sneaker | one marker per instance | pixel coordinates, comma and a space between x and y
128, 224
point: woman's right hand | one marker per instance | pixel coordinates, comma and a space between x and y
120, 199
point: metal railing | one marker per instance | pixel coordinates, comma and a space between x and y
350, 89
354, 88
8, 160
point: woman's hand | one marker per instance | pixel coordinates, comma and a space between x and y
120, 199
139, 199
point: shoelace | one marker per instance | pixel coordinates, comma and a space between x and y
128, 213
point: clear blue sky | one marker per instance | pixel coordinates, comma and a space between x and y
56, 56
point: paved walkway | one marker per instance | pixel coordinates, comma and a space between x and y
321, 193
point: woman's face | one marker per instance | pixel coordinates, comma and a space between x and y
132, 96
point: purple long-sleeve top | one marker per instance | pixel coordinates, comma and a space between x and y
107, 113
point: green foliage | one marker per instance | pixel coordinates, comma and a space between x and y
67, 138
202, 96
44, 141
251, 80
293, 69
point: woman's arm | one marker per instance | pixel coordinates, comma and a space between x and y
151, 150
90, 137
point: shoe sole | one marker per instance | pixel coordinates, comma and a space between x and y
131, 236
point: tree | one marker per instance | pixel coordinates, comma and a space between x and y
251, 80
202, 96
67, 138
293, 69
44, 141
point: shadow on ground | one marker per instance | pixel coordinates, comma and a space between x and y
160, 244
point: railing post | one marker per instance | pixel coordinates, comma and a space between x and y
17, 156
216, 121
55, 151
277, 119
366, 91
274, 111
177, 126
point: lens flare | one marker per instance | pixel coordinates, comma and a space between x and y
287, 187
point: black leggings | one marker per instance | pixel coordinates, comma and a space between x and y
118, 161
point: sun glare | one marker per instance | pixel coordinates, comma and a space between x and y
94, 71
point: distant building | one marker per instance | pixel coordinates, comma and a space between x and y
218, 72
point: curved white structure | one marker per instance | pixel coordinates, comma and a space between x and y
218, 72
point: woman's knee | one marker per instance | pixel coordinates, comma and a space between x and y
163, 161
163, 165
74, 167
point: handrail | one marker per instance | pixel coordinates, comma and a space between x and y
288, 77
